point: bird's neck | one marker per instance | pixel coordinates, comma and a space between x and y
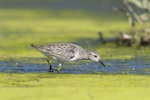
84, 55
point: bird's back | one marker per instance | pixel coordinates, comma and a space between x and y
62, 51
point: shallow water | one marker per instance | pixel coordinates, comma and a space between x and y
140, 65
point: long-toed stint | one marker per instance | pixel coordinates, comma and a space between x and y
64, 52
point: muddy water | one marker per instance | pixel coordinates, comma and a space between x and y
140, 65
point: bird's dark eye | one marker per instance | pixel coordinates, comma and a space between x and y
95, 56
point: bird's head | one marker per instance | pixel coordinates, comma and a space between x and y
95, 56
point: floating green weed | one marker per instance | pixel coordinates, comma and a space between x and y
66, 86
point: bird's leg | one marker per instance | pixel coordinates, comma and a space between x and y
50, 66
59, 68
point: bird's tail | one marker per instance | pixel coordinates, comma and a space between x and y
38, 47
33, 45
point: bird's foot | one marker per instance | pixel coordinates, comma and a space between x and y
50, 66
59, 69
50, 70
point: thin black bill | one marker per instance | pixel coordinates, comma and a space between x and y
102, 63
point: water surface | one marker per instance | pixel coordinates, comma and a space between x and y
139, 65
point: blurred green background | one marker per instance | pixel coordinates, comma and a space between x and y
24, 22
